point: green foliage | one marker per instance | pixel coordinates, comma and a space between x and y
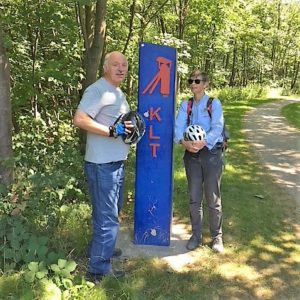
183, 51
45, 54
48, 290
48, 171
55, 281
292, 113
75, 235
13, 286
63, 268
232, 94
236, 42
21, 246
254, 249
240, 43
86, 2
237, 93
35, 271
48, 179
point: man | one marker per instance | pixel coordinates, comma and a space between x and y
203, 160
101, 105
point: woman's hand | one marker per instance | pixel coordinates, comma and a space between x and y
193, 146
199, 144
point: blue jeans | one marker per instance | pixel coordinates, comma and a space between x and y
106, 185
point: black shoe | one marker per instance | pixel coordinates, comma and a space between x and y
117, 252
96, 278
193, 243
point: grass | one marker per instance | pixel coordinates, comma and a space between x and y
292, 113
261, 235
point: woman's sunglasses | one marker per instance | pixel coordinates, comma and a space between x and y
197, 81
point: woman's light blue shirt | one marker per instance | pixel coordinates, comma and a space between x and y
199, 116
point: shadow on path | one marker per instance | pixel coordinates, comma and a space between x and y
277, 144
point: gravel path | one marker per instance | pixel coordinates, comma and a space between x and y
277, 144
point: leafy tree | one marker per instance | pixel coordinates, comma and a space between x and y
56, 48
44, 47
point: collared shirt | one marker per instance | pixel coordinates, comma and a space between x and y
199, 116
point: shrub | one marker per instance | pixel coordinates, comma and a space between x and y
48, 171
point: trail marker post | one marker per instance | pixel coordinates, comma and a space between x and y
154, 162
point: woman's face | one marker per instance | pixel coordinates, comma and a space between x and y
197, 84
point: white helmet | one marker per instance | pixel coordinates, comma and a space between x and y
194, 133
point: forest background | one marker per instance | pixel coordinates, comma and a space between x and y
52, 50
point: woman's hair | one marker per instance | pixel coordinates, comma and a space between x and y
197, 73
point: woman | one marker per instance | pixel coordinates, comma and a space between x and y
202, 160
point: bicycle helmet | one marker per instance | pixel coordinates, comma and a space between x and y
137, 131
194, 133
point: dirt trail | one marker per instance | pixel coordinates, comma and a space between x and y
277, 144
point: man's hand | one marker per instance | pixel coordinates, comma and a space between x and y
116, 130
128, 126
120, 129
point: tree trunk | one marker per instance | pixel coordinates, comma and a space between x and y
93, 28
295, 75
275, 43
227, 59
233, 68
162, 25
146, 17
210, 51
6, 170
183, 12
130, 30
244, 59
129, 80
34, 39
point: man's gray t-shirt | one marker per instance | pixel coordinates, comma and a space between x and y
104, 103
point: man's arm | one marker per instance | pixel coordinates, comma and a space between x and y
84, 121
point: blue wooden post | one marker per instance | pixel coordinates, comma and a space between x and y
154, 162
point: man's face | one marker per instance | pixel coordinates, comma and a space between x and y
116, 68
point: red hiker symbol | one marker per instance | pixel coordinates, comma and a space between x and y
162, 76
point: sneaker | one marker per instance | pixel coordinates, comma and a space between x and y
117, 252
96, 277
217, 245
193, 243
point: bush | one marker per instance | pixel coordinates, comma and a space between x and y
21, 246
48, 171
232, 94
